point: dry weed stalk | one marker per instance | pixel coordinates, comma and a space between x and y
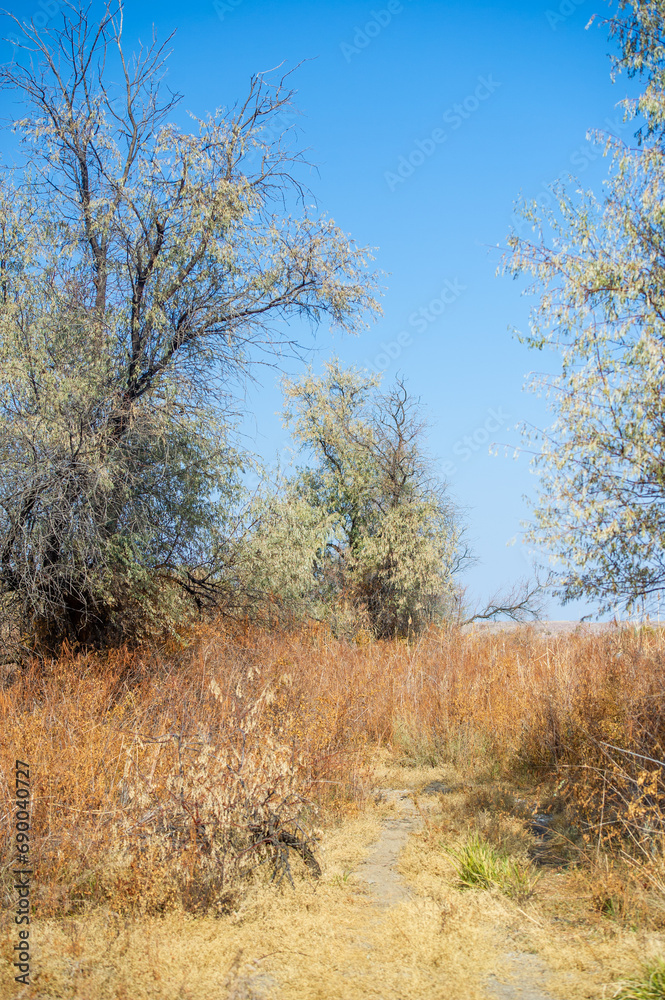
163, 778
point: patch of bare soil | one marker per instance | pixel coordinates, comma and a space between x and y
523, 976
525, 979
379, 869
384, 921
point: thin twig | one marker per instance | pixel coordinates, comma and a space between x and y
632, 754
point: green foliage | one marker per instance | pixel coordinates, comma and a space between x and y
650, 986
641, 39
280, 556
394, 537
601, 281
142, 271
481, 866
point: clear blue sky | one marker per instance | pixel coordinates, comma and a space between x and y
381, 78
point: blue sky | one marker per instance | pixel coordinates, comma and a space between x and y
425, 120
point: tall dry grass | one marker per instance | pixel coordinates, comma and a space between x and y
169, 778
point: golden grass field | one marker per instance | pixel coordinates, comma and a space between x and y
156, 772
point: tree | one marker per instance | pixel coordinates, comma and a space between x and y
396, 540
601, 278
279, 554
641, 37
143, 271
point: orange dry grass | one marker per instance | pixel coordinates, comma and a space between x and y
162, 778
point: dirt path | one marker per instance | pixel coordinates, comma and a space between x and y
380, 868
525, 974
383, 922
524, 981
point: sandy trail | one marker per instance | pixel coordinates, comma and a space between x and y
525, 975
379, 869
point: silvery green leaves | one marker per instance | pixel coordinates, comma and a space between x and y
598, 267
395, 540
639, 32
143, 270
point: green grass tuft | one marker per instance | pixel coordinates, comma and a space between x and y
650, 987
481, 866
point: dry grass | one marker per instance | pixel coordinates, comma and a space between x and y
166, 786
163, 780
322, 940
585, 953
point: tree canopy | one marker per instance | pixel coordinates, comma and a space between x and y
597, 264
396, 535
143, 269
